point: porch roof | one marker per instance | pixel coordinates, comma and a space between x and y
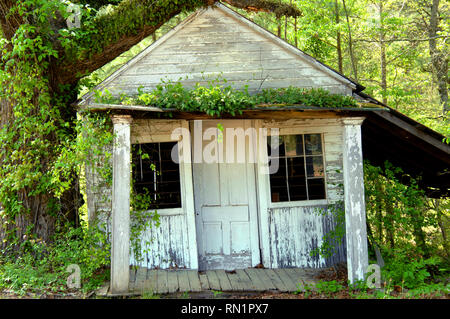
387, 135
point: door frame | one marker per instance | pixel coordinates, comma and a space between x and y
253, 193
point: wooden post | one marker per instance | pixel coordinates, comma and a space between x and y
120, 246
355, 207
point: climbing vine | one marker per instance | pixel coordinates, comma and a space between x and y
333, 238
35, 125
216, 99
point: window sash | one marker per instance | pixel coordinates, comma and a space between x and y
306, 177
154, 182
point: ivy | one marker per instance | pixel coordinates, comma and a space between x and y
332, 239
217, 99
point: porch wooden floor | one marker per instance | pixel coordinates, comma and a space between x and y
145, 280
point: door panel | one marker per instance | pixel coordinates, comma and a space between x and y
225, 203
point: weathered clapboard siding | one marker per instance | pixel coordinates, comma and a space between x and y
340, 253
98, 190
294, 231
214, 43
151, 131
168, 244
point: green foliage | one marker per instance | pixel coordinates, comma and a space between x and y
406, 228
406, 270
335, 237
430, 290
328, 287
394, 202
40, 267
213, 100
216, 99
304, 289
307, 97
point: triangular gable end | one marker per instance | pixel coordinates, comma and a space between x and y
218, 43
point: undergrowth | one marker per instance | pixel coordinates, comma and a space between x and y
40, 268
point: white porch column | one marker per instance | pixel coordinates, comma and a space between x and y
120, 246
355, 207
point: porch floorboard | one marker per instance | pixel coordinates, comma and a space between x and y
158, 281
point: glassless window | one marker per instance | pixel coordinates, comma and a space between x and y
300, 175
156, 174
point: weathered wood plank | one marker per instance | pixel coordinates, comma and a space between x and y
223, 280
172, 281
262, 273
213, 280
151, 284
290, 285
295, 277
141, 275
162, 281
194, 280
235, 282
256, 280
204, 281
183, 280
132, 278
245, 280
133, 274
103, 290
276, 280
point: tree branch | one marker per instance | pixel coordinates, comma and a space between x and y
277, 7
9, 23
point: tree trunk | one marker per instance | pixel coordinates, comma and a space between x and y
350, 44
382, 55
41, 212
438, 59
441, 223
338, 38
295, 32
419, 234
389, 222
379, 211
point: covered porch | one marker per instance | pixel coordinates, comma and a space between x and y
159, 281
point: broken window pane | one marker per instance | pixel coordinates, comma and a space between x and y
314, 166
301, 173
313, 144
156, 174
296, 179
278, 185
294, 145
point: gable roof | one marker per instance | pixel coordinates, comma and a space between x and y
219, 42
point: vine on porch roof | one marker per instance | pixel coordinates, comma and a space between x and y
216, 99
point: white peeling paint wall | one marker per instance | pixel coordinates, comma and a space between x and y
168, 245
295, 231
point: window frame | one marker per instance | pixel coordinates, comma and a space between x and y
177, 210
306, 202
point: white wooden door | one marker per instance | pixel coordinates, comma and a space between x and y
225, 201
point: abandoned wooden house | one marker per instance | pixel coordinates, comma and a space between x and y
235, 215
